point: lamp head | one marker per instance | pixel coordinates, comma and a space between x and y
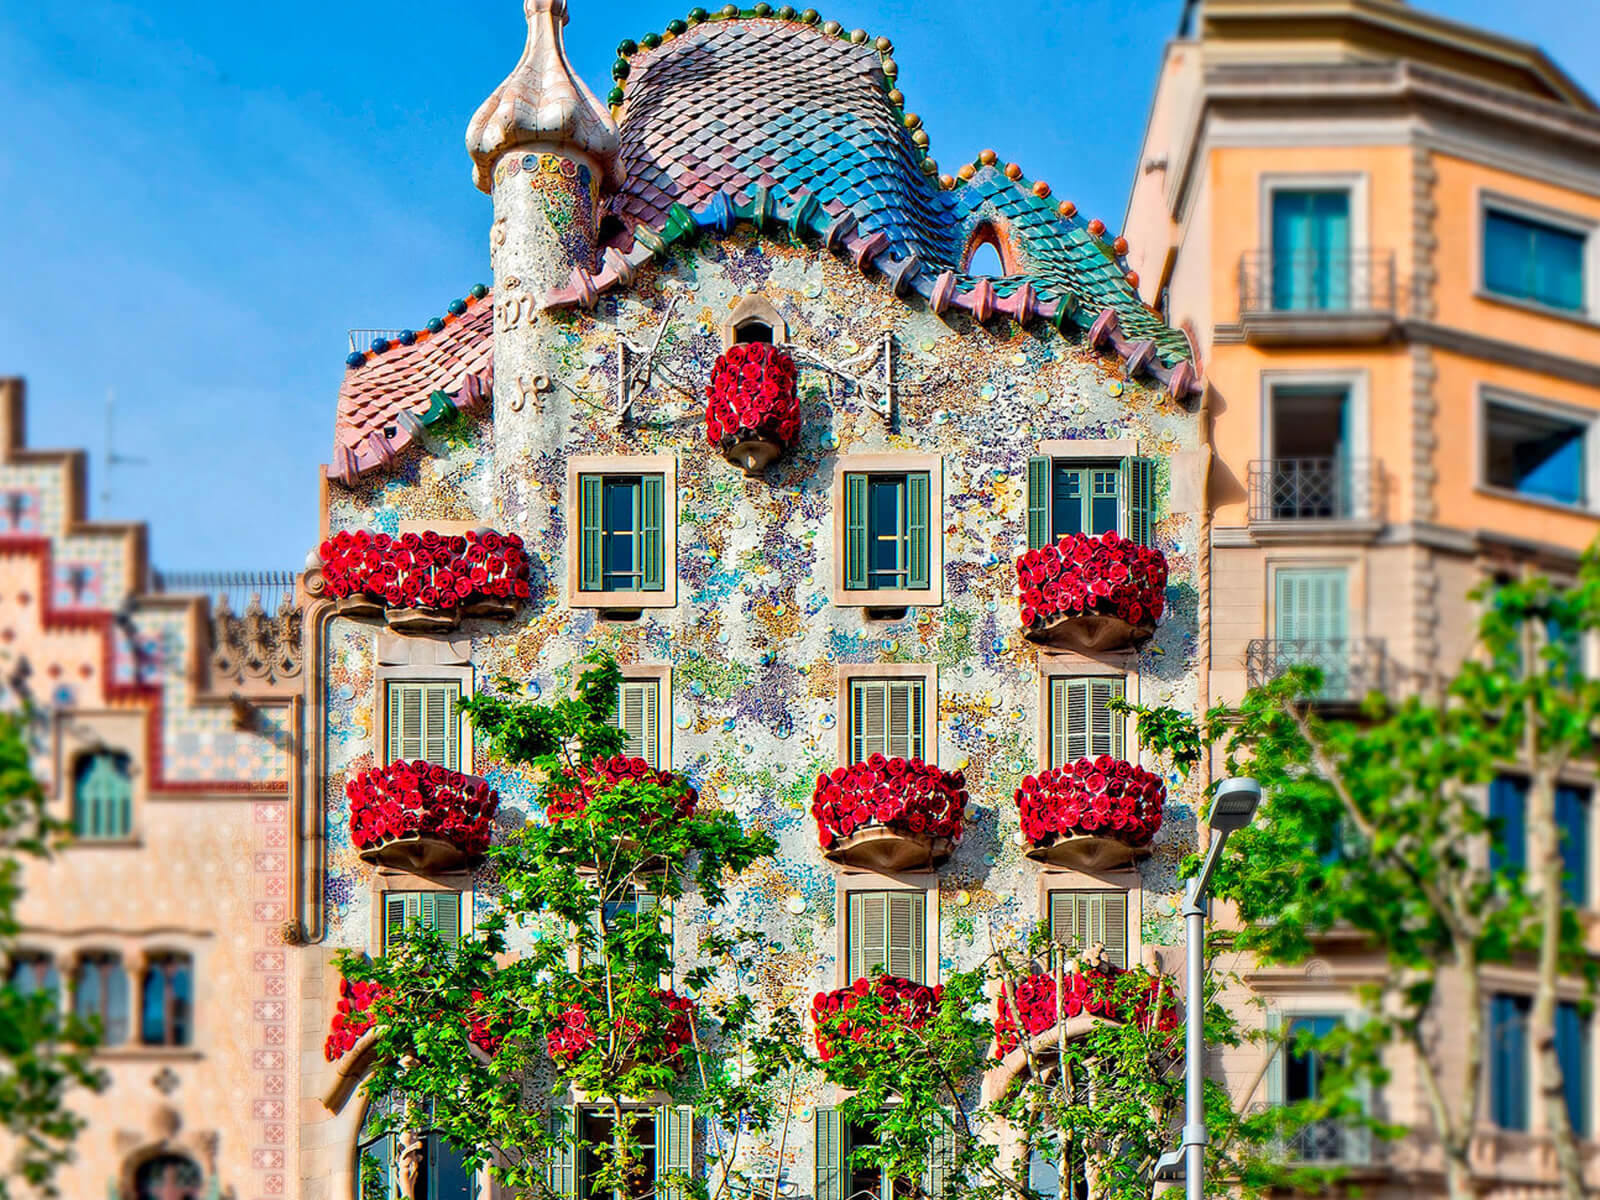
1234, 805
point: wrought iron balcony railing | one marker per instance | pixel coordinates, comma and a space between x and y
1309, 489
1310, 282
1329, 1142
238, 588
1351, 667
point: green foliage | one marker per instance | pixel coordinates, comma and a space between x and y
44, 1055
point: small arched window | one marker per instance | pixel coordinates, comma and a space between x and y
169, 1177
753, 330
102, 795
444, 1175
754, 319
100, 993
988, 254
166, 1005
32, 972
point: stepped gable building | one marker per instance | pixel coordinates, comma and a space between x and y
791, 585
1380, 230
165, 735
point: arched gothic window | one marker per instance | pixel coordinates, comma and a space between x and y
169, 1177
379, 1155
33, 972
100, 992
166, 1002
102, 795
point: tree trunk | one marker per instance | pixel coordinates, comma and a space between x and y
1544, 840
1459, 1181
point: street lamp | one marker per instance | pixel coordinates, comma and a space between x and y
1232, 809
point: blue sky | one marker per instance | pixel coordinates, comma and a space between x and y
200, 198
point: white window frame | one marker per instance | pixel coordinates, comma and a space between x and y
1278, 1015
1587, 418
1353, 183
1515, 206
1358, 388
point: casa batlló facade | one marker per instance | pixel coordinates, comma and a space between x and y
735, 412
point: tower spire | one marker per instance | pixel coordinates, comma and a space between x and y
542, 105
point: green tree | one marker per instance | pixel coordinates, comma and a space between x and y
468, 1035
44, 1055
1378, 825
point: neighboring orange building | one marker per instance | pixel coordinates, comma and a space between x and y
166, 736
1379, 230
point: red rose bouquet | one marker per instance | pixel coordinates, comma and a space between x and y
1102, 797
421, 799
752, 397
906, 795
352, 1017
842, 1015
577, 1031
426, 570
1106, 575
565, 802
1108, 992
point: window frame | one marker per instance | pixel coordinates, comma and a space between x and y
1128, 916
1281, 1014
104, 959
1587, 420
1489, 201
1355, 184
1057, 667
583, 465
929, 930
924, 884
385, 885
931, 465
128, 832
1087, 453
660, 674
426, 678
926, 673
163, 963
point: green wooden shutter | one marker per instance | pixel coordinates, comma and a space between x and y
441, 734
1079, 920
441, 912
1138, 499
637, 718
1105, 727
828, 1162
590, 509
869, 718
561, 1171
1069, 720
103, 797
905, 719
1038, 502
1114, 926
867, 933
918, 549
940, 1179
654, 535
674, 1146
855, 531
406, 705
1312, 605
907, 959
1275, 1088
399, 910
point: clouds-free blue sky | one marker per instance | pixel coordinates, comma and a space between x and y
198, 199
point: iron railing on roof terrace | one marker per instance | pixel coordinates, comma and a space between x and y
1310, 489
236, 587
1311, 281
1351, 667
362, 339
1326, 1141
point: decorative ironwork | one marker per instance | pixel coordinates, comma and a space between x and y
1351, 667
1310, 281
1309, 489
271, 587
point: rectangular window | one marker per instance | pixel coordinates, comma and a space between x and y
1310, 249
1312, 623
1303, 1067
887, 531
423, 723
884, 932
1079, 920
1535, 453
639, 717
1311, 474
1527, 259
887, 717
439, 912
1508, 1060
1573, 1049
1067, 496
1082, 724
1508, 804
1573, 806
621, 533
841, 1175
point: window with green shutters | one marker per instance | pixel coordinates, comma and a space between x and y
1079, 920
638, 716
437, 911
423, 722
102, 796
837, 1177
621, 533
665, 1137
1312, 623
887, 717
1067, 495
1082, 724
884, 932
674, 1148
887, 531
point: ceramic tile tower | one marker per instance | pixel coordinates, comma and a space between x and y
753, 180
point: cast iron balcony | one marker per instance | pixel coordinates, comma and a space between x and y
1314, 296
1351, 667
1313, 489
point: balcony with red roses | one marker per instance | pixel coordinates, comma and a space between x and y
423, 582
635, 779
870, 1012
361, 1008
752, 407
1091, 593
421, 817
1094, 814
889, 814
580, 1028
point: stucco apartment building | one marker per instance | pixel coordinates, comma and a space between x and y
1381, 231
165, 735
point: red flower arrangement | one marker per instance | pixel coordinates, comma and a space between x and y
352, 1017
1101, 797
411, 799
1106, 575
902, 1004
426, 570
906, 795
1098, 992
602, 773
575, 1033
752, 397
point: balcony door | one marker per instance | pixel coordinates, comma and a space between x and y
1310, 249
1312, 624
1311, 452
